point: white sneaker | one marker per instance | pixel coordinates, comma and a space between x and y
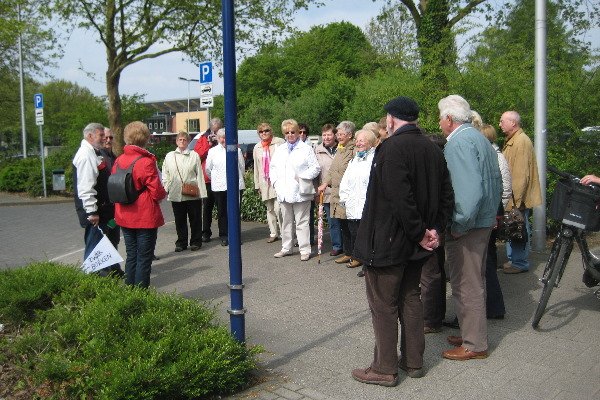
282, 254
304, 257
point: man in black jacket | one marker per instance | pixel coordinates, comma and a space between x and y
409, 200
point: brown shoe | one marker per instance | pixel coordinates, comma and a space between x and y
354, 264
272, 239
454, 340
342, 260
375, 378
413, 372
335, 253
512, 270
462, 354
428, 329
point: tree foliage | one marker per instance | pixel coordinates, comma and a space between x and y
136, 30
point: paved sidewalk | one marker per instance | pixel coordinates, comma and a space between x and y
314, 323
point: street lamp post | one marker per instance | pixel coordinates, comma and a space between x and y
188, 80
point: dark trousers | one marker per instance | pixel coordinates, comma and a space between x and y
494, 302
184, 210
221, 202
349, 228
139, 245
208, 204
393, 293
433, 289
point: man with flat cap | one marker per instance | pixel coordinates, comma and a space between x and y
409, 200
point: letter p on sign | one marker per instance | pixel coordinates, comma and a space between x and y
206, 72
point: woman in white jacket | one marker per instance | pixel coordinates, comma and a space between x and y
183, 166
353, 187
216, 169
293, 168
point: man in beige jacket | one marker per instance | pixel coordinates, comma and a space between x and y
262, 154
519, 153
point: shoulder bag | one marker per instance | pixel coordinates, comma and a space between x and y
187, 189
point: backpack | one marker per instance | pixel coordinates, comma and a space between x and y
120, 185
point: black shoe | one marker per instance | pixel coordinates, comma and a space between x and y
224, 242
588, 280
499, 316
195, 247
154, 258
453, 323
361, 273
205, 238
179, 249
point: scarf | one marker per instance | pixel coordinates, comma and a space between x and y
291, 146
266, 160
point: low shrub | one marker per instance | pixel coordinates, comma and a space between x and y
88, 337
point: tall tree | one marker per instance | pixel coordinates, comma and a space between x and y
136, 30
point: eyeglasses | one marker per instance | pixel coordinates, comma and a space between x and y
265, 131
109, 137
302, 131
290, 133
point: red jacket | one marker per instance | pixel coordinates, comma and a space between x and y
202, 146
145, 212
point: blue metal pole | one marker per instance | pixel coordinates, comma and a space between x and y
236, 287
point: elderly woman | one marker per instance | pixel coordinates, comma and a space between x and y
216, 169
263, 152
139, 221
345, 153
293, 168
183, 166
353, 187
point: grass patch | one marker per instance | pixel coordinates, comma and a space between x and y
81, 336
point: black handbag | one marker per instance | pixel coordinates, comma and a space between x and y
512, 225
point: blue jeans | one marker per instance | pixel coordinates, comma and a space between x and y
335, 231
518, 252
139, 244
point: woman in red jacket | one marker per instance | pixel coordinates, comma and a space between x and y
139, 221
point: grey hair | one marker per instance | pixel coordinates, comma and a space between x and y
371, 137
216, 122
347, 126
221, 132
515, 117
456, 107
91, 128
476, 120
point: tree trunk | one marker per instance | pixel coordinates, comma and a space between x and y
113, 76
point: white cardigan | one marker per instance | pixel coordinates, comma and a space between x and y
353, 187
506, 177
289, 166
216, 168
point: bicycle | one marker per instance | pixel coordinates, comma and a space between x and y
576, 207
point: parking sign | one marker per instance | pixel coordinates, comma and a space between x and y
206, 72
38, 100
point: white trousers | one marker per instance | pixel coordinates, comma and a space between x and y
300, 213
273, 216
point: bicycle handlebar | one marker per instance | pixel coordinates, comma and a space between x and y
561, 173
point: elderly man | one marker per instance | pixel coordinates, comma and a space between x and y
90, 180
409, 198
519, 153
263, 152
207, 141
477, 184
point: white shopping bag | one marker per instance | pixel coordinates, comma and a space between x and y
104, 255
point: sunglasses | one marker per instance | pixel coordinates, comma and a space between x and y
301, 131
290, 133
265, 131
109, 137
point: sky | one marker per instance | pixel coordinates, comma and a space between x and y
157, 78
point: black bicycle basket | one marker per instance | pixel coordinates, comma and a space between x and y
576, 205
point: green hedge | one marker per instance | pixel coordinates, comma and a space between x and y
88, 337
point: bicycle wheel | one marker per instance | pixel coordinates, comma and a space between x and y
556, 263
